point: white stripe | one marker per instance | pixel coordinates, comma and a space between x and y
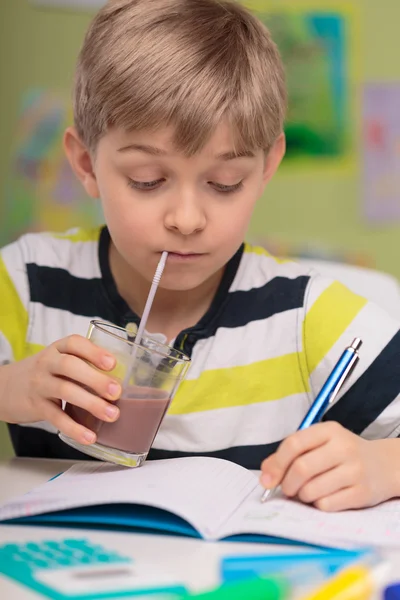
255, 270
239, 346
14, 260
374, 340
381, 288
238, 426
6, 353
384, 426
79, 258
51, 324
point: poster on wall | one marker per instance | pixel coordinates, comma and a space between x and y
42, 193
316, 42
381, 152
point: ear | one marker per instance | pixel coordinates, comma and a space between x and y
274, 158
81, 161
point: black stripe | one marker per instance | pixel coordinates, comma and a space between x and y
234, 309
28, 441
278, 295
37, 443
57, 288
377, 387
241, 308
249, 457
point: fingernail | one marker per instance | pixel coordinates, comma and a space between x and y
112, 411
108, 361
266, 480
89, 436
114, 389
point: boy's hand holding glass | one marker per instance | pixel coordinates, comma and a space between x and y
64, 370
150, 374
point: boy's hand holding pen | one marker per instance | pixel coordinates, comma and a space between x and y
325, 464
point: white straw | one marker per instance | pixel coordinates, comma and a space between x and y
150, 297
145, 316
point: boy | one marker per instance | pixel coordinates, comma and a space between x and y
179, 108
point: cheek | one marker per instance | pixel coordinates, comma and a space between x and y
240, 213
129, 223
128, 228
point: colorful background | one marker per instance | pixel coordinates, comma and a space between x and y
314, 50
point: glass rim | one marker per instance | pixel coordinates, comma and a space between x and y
101, 325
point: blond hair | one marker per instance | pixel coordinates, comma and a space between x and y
145, 64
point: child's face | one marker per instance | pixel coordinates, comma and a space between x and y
154, 199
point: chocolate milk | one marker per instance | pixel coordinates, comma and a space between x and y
141, 412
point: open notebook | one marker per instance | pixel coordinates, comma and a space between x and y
204, 497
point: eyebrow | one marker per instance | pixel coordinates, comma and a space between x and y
153, 151
232, 155
143, 148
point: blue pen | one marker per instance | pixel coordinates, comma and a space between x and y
328, 393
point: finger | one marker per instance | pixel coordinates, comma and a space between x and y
327, 483
72, 393
308, 466
71, 367
57, 417
269, 471
345, 499
294, 446
85, 349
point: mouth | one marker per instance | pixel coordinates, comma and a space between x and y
184, 256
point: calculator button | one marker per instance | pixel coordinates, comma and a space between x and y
75, 543
51, 544
7, 548
64, 562
104, 558
85, 560
32, 547
68, 551
40, 564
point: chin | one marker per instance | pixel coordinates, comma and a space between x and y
182, 283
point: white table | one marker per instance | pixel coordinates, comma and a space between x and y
194, 562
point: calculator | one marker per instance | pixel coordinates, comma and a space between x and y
77, 569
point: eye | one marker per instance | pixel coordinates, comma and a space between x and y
145, 186
226, 189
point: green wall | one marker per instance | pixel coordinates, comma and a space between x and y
38, 48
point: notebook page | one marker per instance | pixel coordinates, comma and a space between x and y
203, 491
377, 526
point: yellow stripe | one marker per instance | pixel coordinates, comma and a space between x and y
327, 320
263, 381
80, 235
13, 315
248, 249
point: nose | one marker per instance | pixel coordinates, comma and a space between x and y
186, 215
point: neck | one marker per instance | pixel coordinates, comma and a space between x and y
172, 311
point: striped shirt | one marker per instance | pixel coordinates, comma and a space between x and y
259, 355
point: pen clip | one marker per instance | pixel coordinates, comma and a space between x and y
345, 375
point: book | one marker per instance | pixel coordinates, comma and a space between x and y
196, 496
